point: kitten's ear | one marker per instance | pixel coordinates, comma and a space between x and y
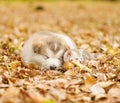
67, 55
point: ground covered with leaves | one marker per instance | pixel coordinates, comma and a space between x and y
93, 26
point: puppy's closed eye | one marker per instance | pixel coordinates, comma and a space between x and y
37, 49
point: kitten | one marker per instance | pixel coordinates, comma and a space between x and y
80, 55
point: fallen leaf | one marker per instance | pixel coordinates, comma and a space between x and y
96, 89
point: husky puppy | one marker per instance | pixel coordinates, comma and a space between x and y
46, 49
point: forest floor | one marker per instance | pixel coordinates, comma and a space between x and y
94, 26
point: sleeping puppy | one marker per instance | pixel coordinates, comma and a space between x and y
46, 49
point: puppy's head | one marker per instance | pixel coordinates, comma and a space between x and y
49, 52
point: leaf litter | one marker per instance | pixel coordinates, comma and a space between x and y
95, 29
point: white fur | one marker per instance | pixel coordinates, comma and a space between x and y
49, 58
52, 62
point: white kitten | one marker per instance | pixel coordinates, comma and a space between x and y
46, 49
79, 55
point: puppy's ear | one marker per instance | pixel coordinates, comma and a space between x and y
67, 47
60, 53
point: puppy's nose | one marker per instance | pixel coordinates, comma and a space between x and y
52, 67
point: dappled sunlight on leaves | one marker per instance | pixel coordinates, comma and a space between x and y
94, 27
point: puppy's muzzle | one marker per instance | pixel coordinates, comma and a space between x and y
52, 63
53, 67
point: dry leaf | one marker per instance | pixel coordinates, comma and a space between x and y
96, 89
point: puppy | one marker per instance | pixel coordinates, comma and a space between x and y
46, 49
